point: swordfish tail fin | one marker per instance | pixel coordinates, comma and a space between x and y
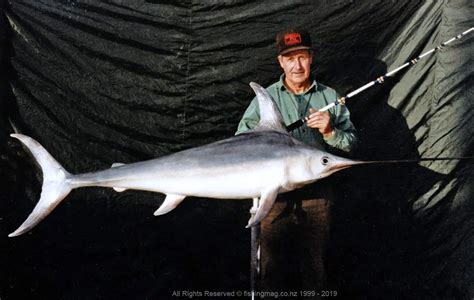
56, 184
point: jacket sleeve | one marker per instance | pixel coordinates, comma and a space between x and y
250, 118
344, 137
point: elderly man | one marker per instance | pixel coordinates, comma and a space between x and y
293, 235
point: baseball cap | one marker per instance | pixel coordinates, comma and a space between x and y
292, 39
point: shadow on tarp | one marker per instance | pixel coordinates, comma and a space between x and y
376, 236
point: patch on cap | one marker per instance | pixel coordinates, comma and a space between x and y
292, 39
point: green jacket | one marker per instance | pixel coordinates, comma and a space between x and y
294, 107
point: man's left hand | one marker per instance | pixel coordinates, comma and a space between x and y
320, 120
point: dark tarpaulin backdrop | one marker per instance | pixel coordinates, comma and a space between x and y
123, 81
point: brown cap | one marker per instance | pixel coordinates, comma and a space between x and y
292, 39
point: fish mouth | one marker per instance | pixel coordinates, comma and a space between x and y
339, 167
347, 164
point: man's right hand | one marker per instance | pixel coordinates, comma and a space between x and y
320, 120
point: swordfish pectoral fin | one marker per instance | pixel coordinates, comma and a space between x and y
170, 203
267, 199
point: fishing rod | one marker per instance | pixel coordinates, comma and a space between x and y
379, 80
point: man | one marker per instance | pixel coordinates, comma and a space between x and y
293, 235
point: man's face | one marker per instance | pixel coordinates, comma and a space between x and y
296, 65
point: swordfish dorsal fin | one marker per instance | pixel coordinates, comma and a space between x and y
270, 116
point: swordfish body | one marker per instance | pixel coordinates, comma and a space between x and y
261, 163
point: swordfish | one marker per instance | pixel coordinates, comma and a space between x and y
259, 163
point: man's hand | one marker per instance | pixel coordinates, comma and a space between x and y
321, 121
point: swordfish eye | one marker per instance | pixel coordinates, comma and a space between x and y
324, 160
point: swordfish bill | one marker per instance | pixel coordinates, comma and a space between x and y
261, 162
